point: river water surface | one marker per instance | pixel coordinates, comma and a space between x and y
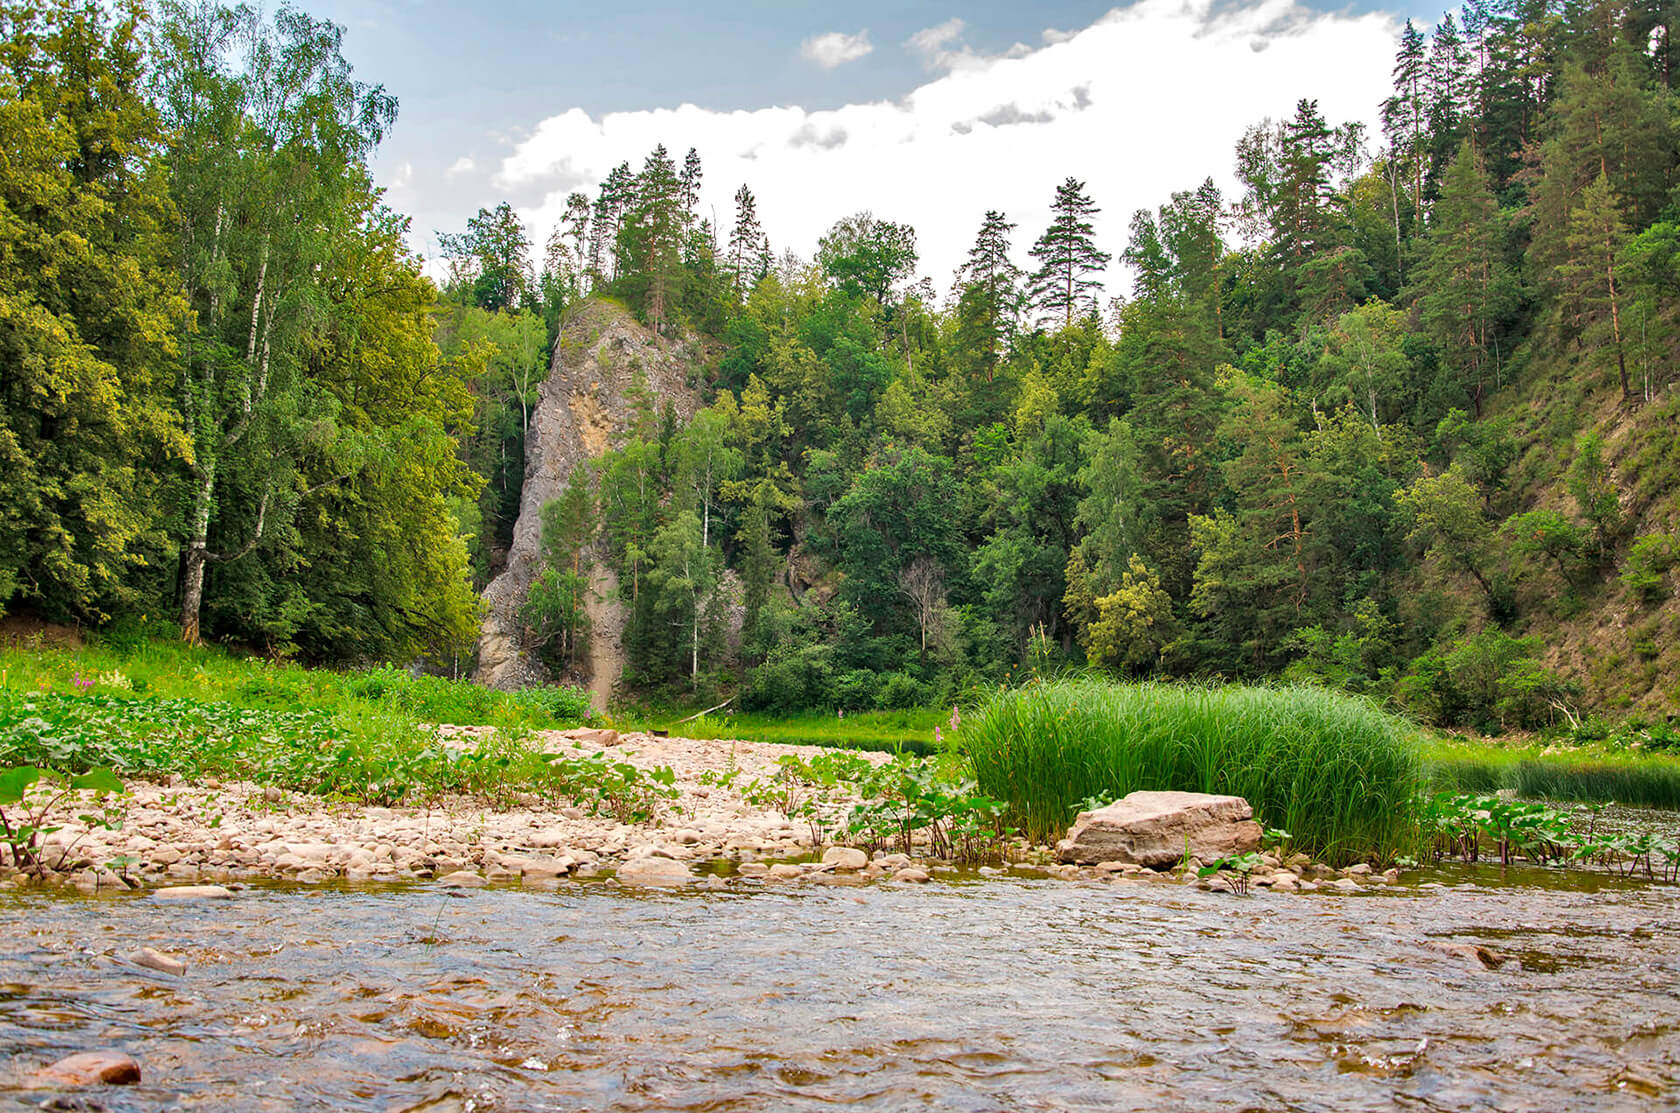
995, 995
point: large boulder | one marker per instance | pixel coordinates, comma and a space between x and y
1160, 829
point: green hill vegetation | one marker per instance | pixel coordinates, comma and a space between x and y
1398, 415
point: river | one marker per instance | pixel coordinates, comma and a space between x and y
962, 995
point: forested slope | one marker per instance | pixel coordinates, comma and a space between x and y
1398, 413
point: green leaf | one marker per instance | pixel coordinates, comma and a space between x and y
99, 779
15, 781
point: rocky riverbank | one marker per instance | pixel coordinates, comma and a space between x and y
209, 833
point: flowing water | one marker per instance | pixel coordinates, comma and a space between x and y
995, 995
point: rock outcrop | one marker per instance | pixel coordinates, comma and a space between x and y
603, 358
1159, 829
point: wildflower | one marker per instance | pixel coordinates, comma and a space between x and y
956, 717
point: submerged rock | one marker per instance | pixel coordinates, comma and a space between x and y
1160, 829
655, 871
91, 1068
157, 960
845, 858
193, 892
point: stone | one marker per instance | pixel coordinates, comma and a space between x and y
462, 879
1344, 885
752, 869
594, 736
786, 871
654, 872
845, 858
193, 892
157, 960
1159, 829
1489, 960
912, 874
91, 1068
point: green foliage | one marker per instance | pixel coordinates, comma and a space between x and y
1491, 681
1469, 827
1649, 560
35, 795
1336, 772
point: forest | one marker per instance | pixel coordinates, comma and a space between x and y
1398, 414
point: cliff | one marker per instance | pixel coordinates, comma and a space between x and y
584, 408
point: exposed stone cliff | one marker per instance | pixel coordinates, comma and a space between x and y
583, 409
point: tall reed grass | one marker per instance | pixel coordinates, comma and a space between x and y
1339, 775
1645, 781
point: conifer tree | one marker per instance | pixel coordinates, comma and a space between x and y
1067, 257
690, 185
1590, 280
1461, 284
617, 191
988, 298
650, 239
1405, 114
747, 245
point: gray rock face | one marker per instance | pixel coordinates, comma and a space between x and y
583, 409
1158, 829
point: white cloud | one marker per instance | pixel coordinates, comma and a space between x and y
940, 45
835, 48
1149, 99
462, 165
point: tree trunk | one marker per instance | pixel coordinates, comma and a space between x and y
198, 553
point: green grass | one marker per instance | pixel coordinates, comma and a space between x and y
1535, 775
1339, 775
911, 731
156, 709
171, 669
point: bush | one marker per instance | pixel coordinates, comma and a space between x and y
1649, 560
1489, 681
1337, 773
791, 680
897, 690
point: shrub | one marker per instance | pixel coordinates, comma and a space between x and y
1489, 681
899, 690
1335, 771
1649, 560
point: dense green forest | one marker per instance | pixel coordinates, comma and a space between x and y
1399, 416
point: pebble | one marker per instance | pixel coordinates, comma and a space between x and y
462, 879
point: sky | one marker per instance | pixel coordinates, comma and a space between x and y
919, 111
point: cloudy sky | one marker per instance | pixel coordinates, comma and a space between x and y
920, 111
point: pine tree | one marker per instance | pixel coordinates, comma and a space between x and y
617, 191
1590, 279
1450, 96
690, 185
1461, 284
988, 300
1067, 257
1405, 114
650, 239
747, 244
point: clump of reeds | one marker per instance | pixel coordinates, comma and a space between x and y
1339, 774
1647, 781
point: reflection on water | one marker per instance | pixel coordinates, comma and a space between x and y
1003, 995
